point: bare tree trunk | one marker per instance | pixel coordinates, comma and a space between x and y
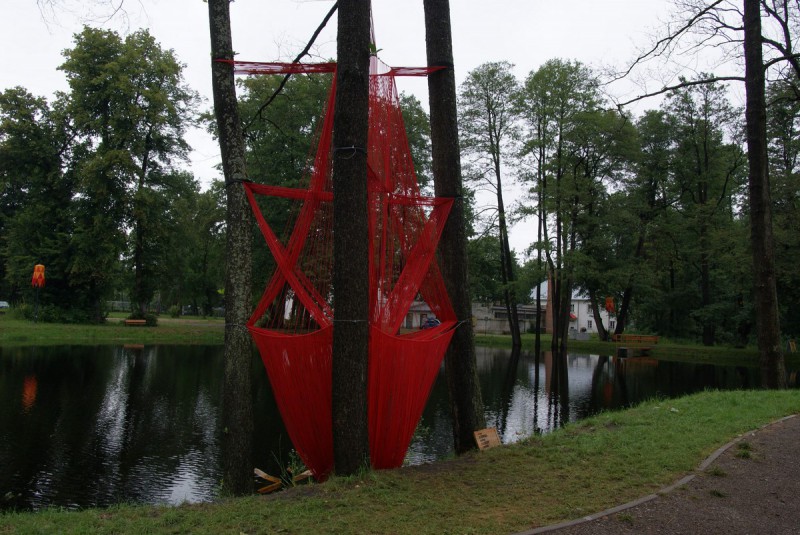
237, 409
627, 294
602, 333
466, 402
773, 371
507, 268
351, 239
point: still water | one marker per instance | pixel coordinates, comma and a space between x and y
92, 426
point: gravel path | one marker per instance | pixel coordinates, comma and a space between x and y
752, 487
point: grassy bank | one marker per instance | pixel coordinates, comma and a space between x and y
196, 330
185, 330
664, 349
583, 468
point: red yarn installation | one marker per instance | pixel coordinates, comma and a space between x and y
294, 319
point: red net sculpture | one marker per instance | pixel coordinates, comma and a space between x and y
293, 322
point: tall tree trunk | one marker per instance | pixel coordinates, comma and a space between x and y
351, 239
602, 333
507, 267
705, 294
541, 182
627, 294
773, 371
466, 402
537, 337
237, 409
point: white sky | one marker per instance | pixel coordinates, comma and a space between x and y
524, 32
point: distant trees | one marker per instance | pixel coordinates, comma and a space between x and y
93, 198
572, 152
488, 133
650, 213
764, 34
37, 185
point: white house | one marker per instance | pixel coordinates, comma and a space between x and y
491, 318
581, 315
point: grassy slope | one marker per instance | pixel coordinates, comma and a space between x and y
583, 468
190, 330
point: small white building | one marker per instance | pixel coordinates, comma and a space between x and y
581, 315
492, 318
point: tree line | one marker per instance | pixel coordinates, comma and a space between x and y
650, 210
92, 183
91, 186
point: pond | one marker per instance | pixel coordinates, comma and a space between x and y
93, 426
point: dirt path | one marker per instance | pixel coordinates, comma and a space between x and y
752, 487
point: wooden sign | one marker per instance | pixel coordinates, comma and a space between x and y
487, 438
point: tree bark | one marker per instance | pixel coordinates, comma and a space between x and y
507, 267
773, 371
466, 403
351, 239
237, 409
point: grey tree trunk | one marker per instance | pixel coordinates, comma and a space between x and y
507, 268
773, 371
237, 409
351, 239
466, 403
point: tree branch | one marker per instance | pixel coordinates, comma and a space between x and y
664, 42
684, 83
298, 58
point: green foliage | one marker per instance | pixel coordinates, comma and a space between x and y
418, 133
130, 106
784, 155
484, 269
91, 180
690, 188
36, 188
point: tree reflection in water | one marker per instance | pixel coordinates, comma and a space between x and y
85, 426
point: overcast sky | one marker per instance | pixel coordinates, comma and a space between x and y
524, 32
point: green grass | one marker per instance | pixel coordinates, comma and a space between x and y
664, 350
584, 468
191, 330
197, 330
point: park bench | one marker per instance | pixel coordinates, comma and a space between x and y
635, 339
136, 322
634, 344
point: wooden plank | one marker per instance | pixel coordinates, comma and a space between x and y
266, 476
135, 322
269, 488
634, 339
487, 438
301, 476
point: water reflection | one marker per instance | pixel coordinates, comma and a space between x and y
104, 424
92, 426
524, 395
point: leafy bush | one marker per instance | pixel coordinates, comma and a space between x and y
50, 314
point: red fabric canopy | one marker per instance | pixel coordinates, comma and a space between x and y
292, 324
